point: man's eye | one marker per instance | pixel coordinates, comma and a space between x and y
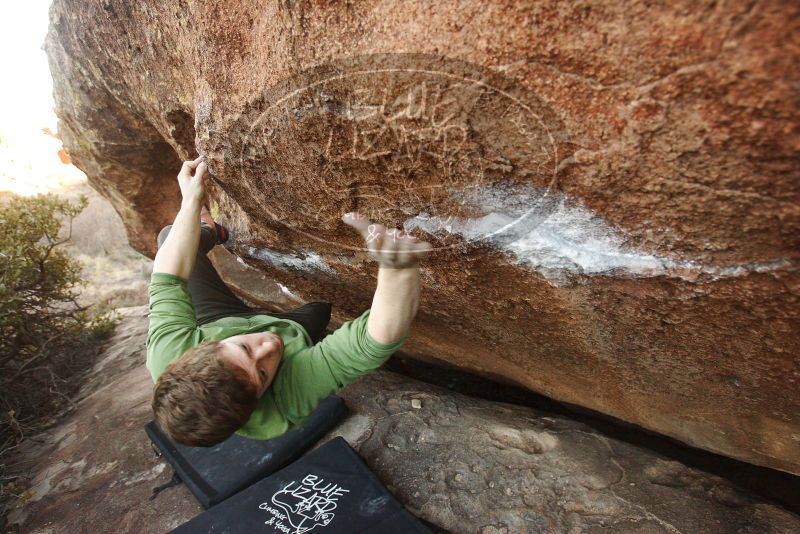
263, 373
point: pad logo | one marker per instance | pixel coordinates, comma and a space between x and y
301, 506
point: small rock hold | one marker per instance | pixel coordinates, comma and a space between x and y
416, 404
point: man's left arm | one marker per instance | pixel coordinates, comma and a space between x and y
366, 342
397, 295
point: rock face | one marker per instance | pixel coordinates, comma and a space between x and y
613, 189
462, 464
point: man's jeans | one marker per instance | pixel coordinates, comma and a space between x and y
213, 300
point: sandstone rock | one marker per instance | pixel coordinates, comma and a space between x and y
461, 463
612, 189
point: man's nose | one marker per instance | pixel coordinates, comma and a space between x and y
266, 347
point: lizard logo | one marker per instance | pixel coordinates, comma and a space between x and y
302, 506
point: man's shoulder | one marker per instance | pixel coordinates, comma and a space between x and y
164, 345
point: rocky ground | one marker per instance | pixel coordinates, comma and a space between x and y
461, 463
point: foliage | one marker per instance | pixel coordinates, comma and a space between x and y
46, 337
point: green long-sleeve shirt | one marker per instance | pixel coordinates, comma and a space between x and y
307, 372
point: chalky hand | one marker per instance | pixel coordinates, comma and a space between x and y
391, 248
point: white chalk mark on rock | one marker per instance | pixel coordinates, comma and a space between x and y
556, 236
311, 262
288, 292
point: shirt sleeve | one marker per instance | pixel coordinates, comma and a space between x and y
313, 373
173, 326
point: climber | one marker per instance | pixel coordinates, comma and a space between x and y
221, 367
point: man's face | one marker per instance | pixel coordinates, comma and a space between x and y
258, 354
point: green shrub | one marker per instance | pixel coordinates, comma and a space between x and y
46, 337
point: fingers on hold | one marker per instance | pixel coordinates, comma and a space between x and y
201, 170
384, 244
191, 164
412, 243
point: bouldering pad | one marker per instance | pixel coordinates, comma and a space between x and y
215, 473
329, 490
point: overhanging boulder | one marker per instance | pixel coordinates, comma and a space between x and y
612, 190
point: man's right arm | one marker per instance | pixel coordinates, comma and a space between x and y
172, 327
176, 256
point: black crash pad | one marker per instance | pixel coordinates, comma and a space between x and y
329, 490
215, 473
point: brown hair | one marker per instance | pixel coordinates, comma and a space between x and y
200, 399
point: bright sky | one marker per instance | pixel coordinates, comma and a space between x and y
29, 160
26, 92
